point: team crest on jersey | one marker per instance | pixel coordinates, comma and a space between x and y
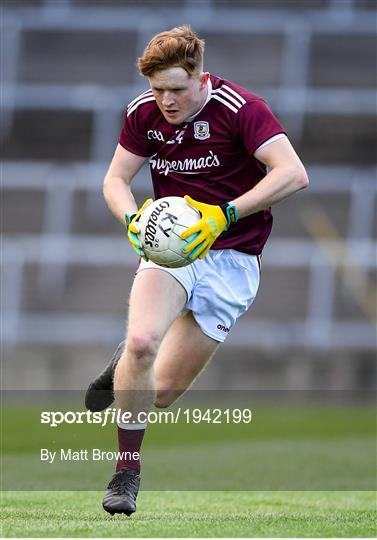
201, 130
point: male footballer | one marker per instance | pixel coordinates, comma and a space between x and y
219, 146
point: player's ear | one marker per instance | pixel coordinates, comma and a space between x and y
203, 79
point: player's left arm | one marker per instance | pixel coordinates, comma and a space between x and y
286, 176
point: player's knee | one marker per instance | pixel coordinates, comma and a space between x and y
165, 398
142, 348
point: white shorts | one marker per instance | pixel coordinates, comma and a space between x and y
220, 288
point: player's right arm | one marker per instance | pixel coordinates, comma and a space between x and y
118, 195
117, 184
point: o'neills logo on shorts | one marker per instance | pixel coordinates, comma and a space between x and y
184, 166
223, 328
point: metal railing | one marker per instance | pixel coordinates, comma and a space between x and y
58, 247
292, 95
323, 258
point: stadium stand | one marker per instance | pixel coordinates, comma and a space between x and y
68, 72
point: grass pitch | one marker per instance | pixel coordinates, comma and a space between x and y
321, 459
193, 514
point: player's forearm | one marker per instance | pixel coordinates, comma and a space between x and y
119, 197
279, 184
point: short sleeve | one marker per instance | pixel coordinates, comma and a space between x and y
256, 124
132, 136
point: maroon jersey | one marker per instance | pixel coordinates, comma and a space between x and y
209, 157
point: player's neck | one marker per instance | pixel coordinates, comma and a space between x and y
204, 101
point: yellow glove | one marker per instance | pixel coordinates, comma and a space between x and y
133, 229
215, 219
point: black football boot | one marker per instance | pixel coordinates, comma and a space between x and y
100, 393
120, 497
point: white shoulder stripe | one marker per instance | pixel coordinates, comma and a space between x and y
236, 94
141, 96
135, 106
226, 103
228, 97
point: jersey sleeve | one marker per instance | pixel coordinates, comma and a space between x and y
132, 136
256, 124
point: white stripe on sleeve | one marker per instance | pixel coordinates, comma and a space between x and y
271, 140
145, 100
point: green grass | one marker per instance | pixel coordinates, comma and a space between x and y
312, 470
332, 449
193, 514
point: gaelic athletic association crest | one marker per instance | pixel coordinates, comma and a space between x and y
201, 130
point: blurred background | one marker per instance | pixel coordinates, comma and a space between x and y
68, 71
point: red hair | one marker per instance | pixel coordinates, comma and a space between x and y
178, 47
